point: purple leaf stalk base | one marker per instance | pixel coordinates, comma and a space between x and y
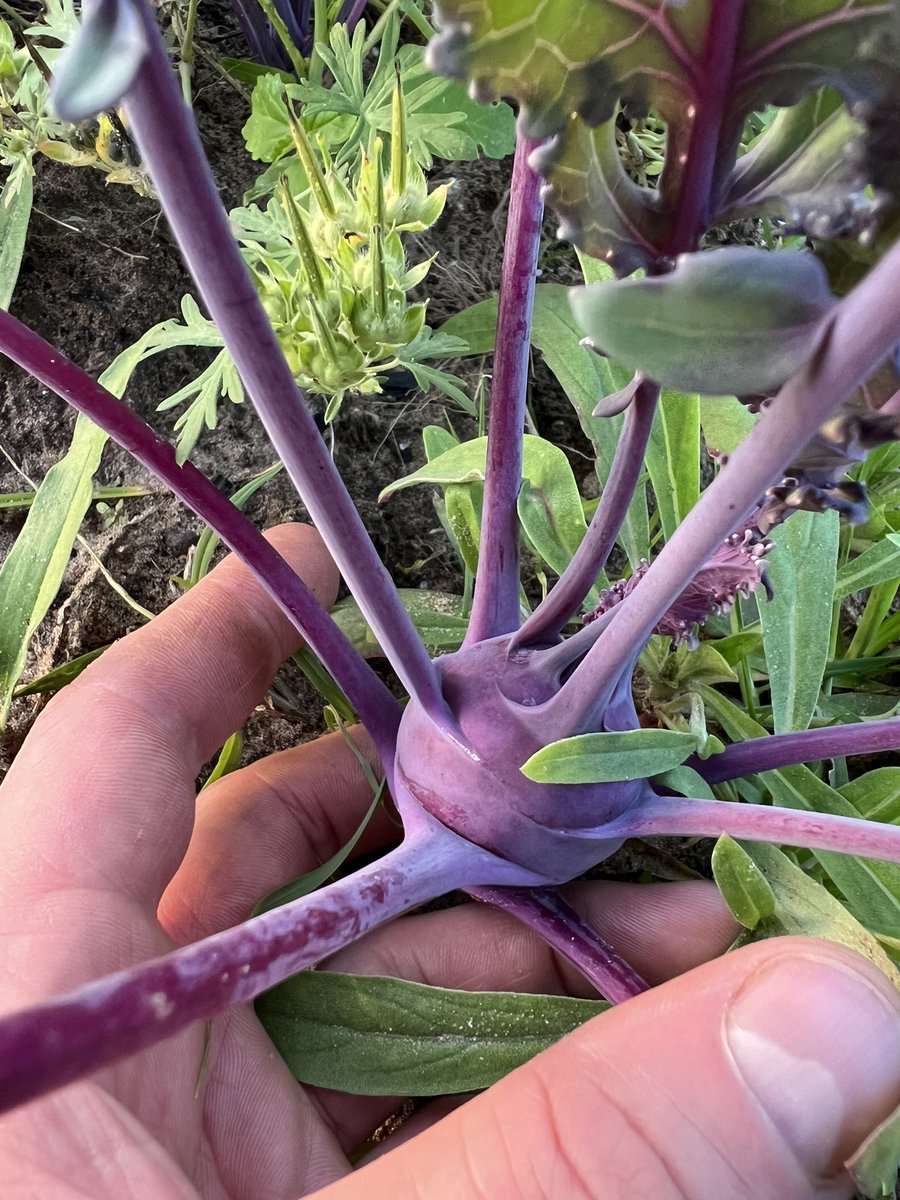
472, 820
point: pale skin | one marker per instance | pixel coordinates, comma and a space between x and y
109, 858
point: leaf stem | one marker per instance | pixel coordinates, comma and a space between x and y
170, 146
375, 705
548, 913
51, 1044
678, 817
548, 619
495, 609
809, 745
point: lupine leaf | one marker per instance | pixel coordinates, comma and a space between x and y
372, 1036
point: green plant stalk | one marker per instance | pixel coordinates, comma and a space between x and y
888, 632
398, 136
281, 31
877, 608
304, 149
186, 65
25, 499
320, 37
308, 258
745, 675
311, 666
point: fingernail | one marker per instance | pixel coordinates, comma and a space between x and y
818, 1045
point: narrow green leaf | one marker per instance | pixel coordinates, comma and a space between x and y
876, 795
673, 458
312, 880
610, 757
59, 676
32, 571
550, 506
686, 782
229, 760
372, 1036
874, 1166
744, 887
804, 907
871, 888
725, 423
15, 213
877, 564
437, 616
796, 624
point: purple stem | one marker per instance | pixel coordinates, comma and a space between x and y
495, 607
785, 749
377, 708
674, 816
859, 335
54, 1043
549, 914
170, 146
712, 82
589, 559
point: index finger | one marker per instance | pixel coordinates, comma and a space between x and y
102, 794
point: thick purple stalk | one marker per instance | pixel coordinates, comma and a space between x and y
495, 608
547, 912
376, 707
860, 334
167, 137
51, 1044
548, 619
712, 80
785, 749
674, 816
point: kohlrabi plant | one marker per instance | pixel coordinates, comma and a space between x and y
520, 761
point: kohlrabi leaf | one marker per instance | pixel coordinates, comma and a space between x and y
796, 622
570, 66
735, 320
610, 757
550, 507
801, 905
805, 171
372, 1036
99, 66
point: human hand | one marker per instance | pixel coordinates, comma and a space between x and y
110, 860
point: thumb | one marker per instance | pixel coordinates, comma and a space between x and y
752, 1077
